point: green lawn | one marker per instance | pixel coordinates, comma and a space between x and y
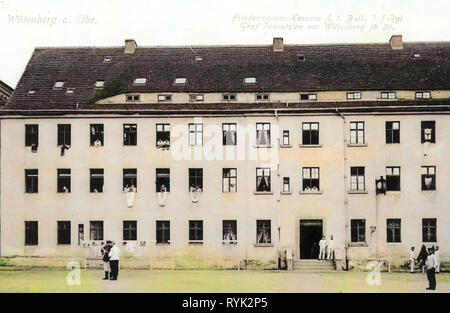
43, 280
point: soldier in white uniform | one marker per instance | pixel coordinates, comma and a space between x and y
438, 259
331, 248
412, 259
322, 245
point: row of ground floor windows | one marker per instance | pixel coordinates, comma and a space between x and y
229, 231
310, 179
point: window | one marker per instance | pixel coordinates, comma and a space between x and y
130, 134
286, 184
392, 132
31, 181
80, 234
164, 98
180, 81
428, 177
196, 97
229, 230
388, 95
163, 136
129, 177
229, 134
96, 179
64, 137
429, 230
31, 135
357, 181
31, 233
195, 178
129, 230
64, 233
428, 131
163, 232
262, 97
353, 95
393, 230
96, 135
96, 230
229, 180
195, 134
310, 133
286, 139
99, 84
301, 58
263, 231
70, 91
423, 95
132, 98
250, 80
229, 97
198, 58
58, 85
358, 230
263, 179
162, 179
195, 230
140, 81
311, 180
308, 96
263, 134
63, 180
357, 133
393, 178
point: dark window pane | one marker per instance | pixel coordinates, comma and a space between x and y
64, 234
96, 179
263, 231
162, 231
31, 233
162, 179
63, 180
129, 230
64, 134
31, 181
31, 135
96, 230
130, 134
96, 134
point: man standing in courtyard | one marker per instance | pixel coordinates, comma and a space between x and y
331, 248
430, 265
114, 256
322, 246
105, 252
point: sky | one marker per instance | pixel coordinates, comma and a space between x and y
26, 24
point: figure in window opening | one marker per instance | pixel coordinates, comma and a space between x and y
65, 190
229, 235
97, 143
163, 144
130, 191
195, 193
64, 147
162, 194
263, 236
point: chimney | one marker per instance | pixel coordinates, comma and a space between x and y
278, 44
396, 42
130, 46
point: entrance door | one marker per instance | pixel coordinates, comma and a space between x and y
310, 235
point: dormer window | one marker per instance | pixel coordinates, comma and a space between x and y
229, 97
58, 85
140, 81
107, 59
416, 54
308, 96
31, 92
180, 81
388, 95
423, 95
164, 98
196, 97
198, 58
70, 91
262, 97
250, 80
353, 95
132, 98
301, 58
99, 84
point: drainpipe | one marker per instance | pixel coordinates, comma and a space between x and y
345, 188
278, 190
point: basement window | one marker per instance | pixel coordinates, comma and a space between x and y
63, 180
229, 97
196, 97
180, 81
58, 85
99, 84
140, 81
250, 80
164, 98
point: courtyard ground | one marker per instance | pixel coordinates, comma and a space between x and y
51, 280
